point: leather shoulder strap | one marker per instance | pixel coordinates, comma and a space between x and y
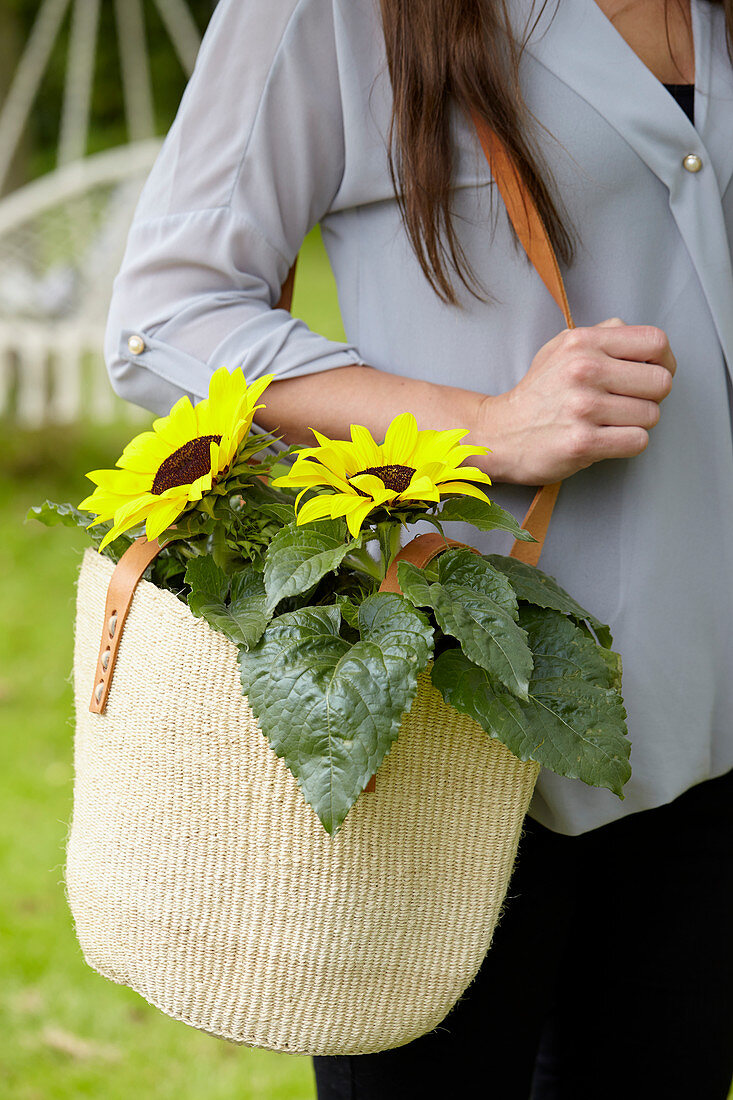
523, 214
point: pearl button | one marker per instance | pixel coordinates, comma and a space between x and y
692, 162
136, 344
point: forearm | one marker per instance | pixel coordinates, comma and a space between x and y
332, 401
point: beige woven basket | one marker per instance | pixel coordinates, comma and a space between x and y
198, 875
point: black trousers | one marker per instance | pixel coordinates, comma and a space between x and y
610, 976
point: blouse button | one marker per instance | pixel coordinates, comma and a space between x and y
136, 344
692, 162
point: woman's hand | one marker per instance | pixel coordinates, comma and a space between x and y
590, 393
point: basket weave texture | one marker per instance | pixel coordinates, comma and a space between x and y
197, 874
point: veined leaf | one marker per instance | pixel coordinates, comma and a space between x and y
298, 557
464, 569
476, 605
561, 649
51, 514
534, 586
283, 513
244, 617
572, 722
330, 709
484, 517
349, 611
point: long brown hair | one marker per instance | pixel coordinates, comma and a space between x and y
445, 55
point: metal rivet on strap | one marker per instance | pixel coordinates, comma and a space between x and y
98, 692
112, 625
105, 658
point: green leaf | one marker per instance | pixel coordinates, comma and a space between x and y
349, 611
476, 605
561, 649
209, 584
464, 569
284, 514
243, 619
572, 722
534, 586
484, 517
332, 710
51, 514
298, 557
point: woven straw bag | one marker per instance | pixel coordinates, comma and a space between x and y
197, 874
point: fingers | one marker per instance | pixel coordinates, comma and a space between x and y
626, 412
638, 343
646, 381
620, 442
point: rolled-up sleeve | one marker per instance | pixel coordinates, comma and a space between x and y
252, 162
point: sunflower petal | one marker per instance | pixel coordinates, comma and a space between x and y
366, 453
327, 505
179, 426
465, 473
464, 488
161, 517
323, 440
436, 446
103, 505
124, 482
400, 441
357, 515
460, 454
127, 517
374, 486
420, 488
257, 387
319, 475
144, 454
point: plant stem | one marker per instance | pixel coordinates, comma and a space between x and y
389, 542
363, 561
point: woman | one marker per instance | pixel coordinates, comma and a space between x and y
611, 973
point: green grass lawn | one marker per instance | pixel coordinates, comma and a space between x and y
65, 1032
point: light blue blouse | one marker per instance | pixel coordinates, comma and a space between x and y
283, 125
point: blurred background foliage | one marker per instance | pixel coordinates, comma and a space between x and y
38, 151
65, 1032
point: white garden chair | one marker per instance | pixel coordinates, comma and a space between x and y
62, 236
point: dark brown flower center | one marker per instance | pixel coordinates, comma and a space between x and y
185, 465
396, 478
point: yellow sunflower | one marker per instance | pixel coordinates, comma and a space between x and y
164, 470
410, 467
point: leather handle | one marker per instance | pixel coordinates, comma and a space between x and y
420, 551
122, 585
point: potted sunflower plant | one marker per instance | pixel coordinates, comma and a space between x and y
302, 778
281, 575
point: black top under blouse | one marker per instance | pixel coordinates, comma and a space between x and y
685, 96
